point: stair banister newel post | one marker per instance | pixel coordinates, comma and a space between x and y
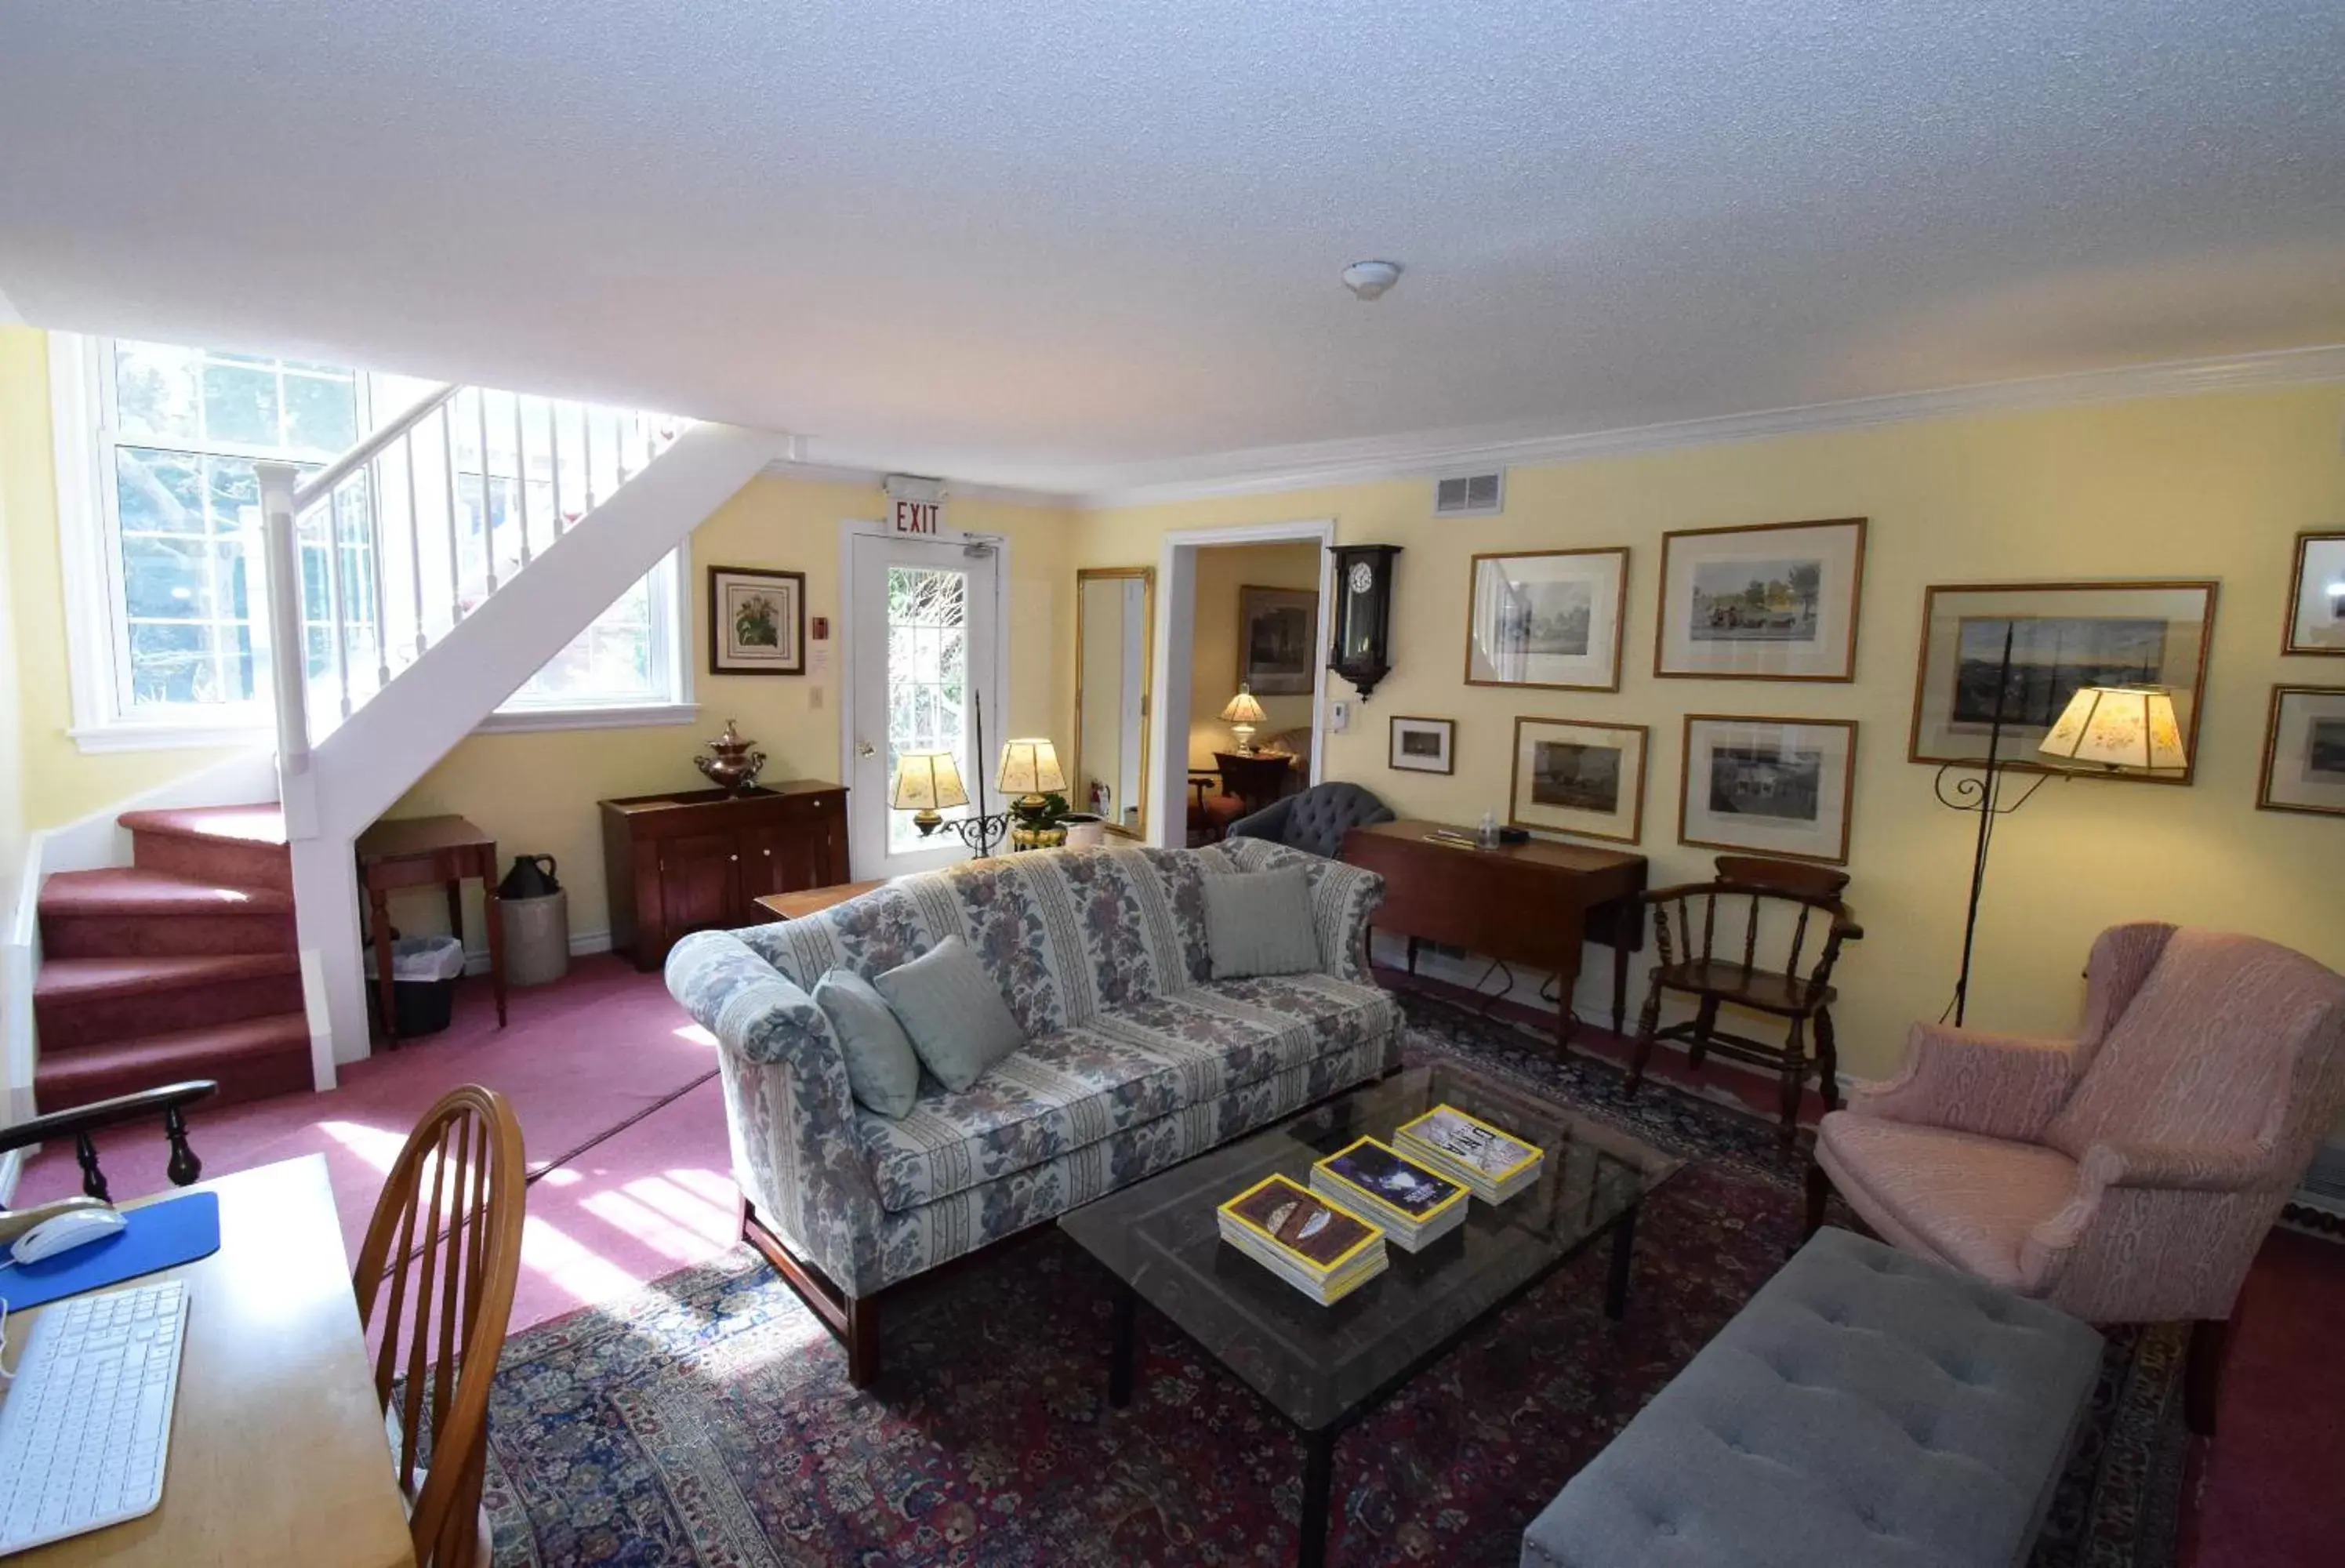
287, 648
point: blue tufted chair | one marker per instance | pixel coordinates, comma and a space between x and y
1316, 820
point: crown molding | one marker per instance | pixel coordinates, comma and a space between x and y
874, 480
1264, 469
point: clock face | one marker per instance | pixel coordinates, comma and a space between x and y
1364, 577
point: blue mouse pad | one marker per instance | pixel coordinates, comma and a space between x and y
155, 1236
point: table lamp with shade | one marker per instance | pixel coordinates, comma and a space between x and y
928, 785
2105, 731
1029, 771
1243, 713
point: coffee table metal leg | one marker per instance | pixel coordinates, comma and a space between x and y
1319, 1479
1624, 1246
1127, 1334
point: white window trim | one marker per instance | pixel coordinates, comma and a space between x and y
93, 601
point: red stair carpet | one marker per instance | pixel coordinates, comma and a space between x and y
181, 964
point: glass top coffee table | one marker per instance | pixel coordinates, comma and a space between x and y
1324, 1367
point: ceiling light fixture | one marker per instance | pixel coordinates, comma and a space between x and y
1369, 279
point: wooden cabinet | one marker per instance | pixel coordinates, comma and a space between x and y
698, 860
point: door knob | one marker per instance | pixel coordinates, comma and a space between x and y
863, 748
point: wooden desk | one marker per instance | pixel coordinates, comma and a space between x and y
815, 900
414, 852
1257, 778
277, 1453
1533, 904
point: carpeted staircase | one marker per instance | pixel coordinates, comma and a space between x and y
180, 965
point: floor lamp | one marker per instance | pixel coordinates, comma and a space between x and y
2104, 731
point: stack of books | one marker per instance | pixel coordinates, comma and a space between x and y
1322, 1251
1413, 1206
1493, 1163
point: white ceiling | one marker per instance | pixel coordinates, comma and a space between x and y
1074, 244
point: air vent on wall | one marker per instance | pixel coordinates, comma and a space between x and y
1470, 495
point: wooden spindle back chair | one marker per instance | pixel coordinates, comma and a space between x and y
1760, 895
438, 1269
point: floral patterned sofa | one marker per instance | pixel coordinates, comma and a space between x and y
1135, 1058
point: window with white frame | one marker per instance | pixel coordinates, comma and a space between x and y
170, 588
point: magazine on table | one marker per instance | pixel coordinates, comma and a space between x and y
1415, 1206
1322, 1249
1492, 1163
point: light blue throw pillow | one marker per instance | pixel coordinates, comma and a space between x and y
949, 1005
1259, 922
881, 1069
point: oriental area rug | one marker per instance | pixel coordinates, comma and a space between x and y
706, 1421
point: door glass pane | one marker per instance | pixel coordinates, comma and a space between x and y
928, 679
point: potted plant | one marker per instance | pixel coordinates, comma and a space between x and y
1039, 827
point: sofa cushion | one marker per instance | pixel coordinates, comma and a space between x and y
1072, 1088
946, 1001
881, 1066
1259, 922
1963, 1198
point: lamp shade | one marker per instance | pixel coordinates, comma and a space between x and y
2120, 727
1031, 767
928, 781
1243, 709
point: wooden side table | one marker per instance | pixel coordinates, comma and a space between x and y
415, 852
813, 901
1257, 778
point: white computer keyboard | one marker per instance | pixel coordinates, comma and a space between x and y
86, 1422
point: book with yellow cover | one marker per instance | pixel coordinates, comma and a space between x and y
1324, 1250
1492, 1162
1412, 1205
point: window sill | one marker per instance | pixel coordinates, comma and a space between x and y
194, 736
523, 721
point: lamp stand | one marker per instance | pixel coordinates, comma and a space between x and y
982, 830
1983, 795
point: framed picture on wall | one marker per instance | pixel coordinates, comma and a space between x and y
757, 622
2316, 596
1278, 635
1547, 618
2304, 751
1773, 786
2061, 636
1586, 779
1772, 601
1423, 745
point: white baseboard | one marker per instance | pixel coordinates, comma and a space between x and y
582, 944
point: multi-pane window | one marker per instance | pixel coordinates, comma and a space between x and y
928, 678
179, 431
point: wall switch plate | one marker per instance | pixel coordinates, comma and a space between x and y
1339, 716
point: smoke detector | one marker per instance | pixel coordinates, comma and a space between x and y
1369, 279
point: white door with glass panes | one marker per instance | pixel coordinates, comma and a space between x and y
922, 628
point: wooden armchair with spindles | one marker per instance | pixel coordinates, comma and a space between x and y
1765, 895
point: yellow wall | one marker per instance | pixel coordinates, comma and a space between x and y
535, 792
1213, 663
59, 781
2209, 486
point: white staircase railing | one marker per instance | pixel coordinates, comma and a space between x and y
377, 556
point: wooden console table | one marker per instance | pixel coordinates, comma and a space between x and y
415, 852
699, 860
1532, 904
813, 901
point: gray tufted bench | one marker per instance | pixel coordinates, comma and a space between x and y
1865, 1407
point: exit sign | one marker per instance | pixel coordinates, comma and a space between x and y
922, 519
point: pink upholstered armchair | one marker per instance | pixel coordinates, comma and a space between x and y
2125, 1175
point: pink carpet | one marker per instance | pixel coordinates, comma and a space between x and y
630, 1188
578, 1059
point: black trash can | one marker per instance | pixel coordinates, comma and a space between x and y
423, 975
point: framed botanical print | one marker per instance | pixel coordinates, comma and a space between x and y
1547, 618
2060, 637
1423, 745
1774, 602
2304, 751
2316, 596
757, 622
1773, 786
1586, 779
1278, 630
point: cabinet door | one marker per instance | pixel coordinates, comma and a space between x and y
700, 884
768, 856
